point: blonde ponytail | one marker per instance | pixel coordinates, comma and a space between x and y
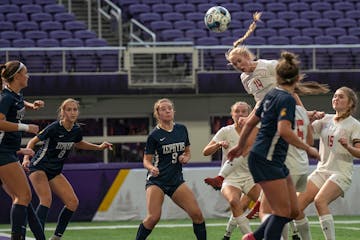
252, 27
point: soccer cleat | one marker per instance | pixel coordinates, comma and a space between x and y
215, 182
295, 236
226, 238
254, 212
248, 236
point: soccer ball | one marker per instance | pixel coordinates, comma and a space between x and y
217, 19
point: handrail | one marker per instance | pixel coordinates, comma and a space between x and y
144, 28
114, 11
69, 7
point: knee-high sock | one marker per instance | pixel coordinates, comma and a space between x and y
18, 215
200, 230
243, 224
259, 233
327, 226
275, 226
142, 232
285, 232
42, 213
34, 224
63, 221
231, 225
304, 229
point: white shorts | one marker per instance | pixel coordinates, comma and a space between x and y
299, 182
320, 178
245, 182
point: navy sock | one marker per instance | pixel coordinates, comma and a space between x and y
200, 230
63, 221
275, 226
260, 232
142, 232
35, 224
18, 217
42, 213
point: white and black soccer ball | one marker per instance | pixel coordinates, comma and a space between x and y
217, 19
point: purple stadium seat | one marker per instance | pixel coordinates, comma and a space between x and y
232, 7
16, 17
246, 23
45, 2
27, 26
305, 54
277, 23
312, 32
170, 34
346, 22
173, 16
203, 7
173, 2
184, 8
196, 33
354, 14
302, 40
325, 40
323, 56
197, 1
6, 26
23, 43
235, 24
160, 25
96, 42
228, 40
310, 15
2, 2
35, 35
201, 25
219, 35
265, 32
194, 16
2, 17
286, 1
333, 14
239, 32
335, 31
348, 40
84, 34
255, 40
300, 23
108, 59
136, 9
147, 18
64, 17
323, 23
50, 26
276, 7
321, 6
9, 8
41, 17
344, 6
54, 8
48, 42
149, 2
31, 8
54, 57
241, 15
60, 34
162, 8
71, 42
207, 41
19, 2
184, 24
184, 39
72, 55
75, 25
298, 6
4, 43
289, 32
10, 35
287, 15
253, 7
355, 31
278, 40
265, 16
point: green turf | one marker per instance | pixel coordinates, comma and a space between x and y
182, 230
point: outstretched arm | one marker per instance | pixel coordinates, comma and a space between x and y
90, 146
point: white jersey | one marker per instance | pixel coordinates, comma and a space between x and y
297, 159
334, 157
261, 80
229, 134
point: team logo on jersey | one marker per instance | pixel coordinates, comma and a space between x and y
283, 112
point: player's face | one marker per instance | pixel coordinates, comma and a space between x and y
340, 101
166, 111
239, 113
71, 112
242, 63
22, 76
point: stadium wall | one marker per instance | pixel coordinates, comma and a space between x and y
116, 192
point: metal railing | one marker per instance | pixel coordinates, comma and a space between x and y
109, 10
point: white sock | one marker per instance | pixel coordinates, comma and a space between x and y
231, 225
243, 223
228, 167
303, 227
285, 232
327, 226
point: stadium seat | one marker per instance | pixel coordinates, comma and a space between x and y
194, 16
276, 7
170, 34
35, 35
300, 23
136, 9
53, 57
84, 34
196, 33
312, 32
107, 59
197, 1
2, 2
287, 15
228, 41
184, 8
346, 22
184, 24
255, 40
333, 14
34, 60
289, 32
241, 15
54, 8
323, 56
302, 40
298, 6
355, 31
147, 18
149, 2
173, 16
277, 23
9, 8
71, 56
64, 17
41, 17
232, 7
321, 6
60, 34
253, 7
265, 32
335, 31
239, 32
265, 16
27, 26
50, 26
31, 8
158, 26
19, 2
6, 26
235, 24
323, 23
207, 41
344, 6
16, 17
10, 35
75, 25
348, 40
44, 2
310, 15
173, 2
354, 14
203, 7
2, 17
162, 8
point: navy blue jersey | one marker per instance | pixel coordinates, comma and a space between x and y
12, 106
166, 147
277, 105
58, 143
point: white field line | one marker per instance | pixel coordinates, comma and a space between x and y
340, 222
9, 236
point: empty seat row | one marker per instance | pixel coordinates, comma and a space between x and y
37, 17
24, 2
44, 26
31, 8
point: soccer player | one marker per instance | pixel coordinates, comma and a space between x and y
339, 144
12, 110
239, 187
267, 156
167, 149
46, 166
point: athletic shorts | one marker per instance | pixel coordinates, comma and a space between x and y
167, 189
300, 182
264, 170
320, 178
50, 173
245, 182
8, 157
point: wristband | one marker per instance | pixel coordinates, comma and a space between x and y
23, 127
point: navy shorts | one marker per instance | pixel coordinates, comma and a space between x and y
167, 189
50, 173
8, 157
263, 170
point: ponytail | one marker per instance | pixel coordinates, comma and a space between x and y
252, 27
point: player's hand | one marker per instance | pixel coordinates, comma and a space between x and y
105, 145
38, 104
184, 159
26, 151
33, 128
154, 171
224, 144
313, 152
25, 164
315, 115
234, 153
